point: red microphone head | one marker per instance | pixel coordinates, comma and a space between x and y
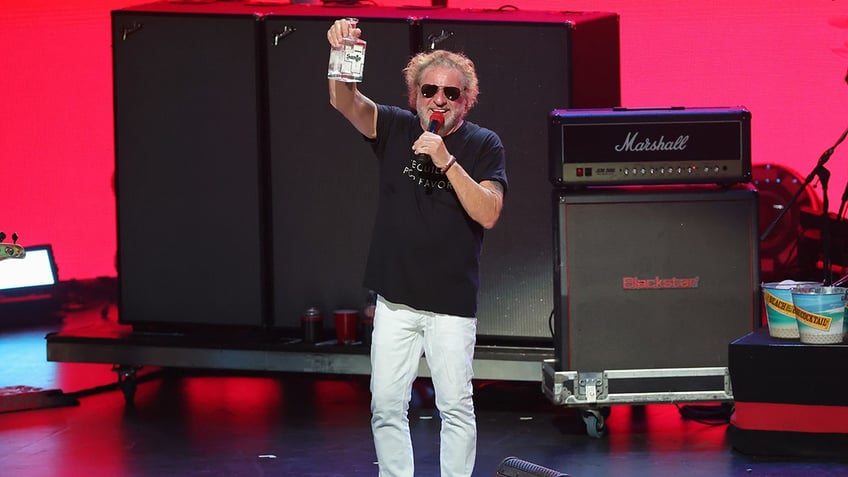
437, 119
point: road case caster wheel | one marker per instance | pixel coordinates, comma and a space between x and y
595, 420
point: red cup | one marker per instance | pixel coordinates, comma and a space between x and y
347, 322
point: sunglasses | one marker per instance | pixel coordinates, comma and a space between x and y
430, 90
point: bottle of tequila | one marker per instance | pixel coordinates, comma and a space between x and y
347, 61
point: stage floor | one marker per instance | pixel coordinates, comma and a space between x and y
189, 422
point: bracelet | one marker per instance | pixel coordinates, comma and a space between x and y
451, 161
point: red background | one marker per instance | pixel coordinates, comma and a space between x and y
784, 61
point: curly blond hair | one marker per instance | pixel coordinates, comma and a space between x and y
419, 63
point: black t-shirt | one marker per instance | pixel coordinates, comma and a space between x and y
425, 249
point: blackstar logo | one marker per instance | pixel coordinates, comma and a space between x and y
636, 283
630, 144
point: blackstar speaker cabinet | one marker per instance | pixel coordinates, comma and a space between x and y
653, 277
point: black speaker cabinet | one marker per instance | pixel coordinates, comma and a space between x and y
529, 63
187, 159
323, 173
654, 277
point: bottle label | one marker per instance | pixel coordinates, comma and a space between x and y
347, 63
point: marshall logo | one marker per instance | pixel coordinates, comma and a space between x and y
657, 283
630, 144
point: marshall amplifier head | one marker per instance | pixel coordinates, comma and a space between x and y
618, 146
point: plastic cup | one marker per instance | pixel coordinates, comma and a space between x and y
347, 322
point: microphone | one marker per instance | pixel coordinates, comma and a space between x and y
437, 119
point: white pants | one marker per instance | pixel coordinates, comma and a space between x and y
400, 336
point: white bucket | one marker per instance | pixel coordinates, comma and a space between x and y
820, 313
780, 311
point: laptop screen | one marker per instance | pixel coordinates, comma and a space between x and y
33, 273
